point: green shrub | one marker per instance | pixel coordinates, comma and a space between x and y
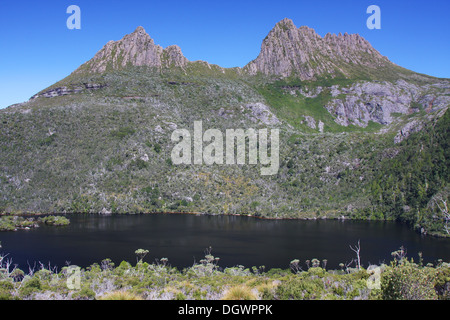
277, 272
33, 283
6, 225
408, 281
316, 271
10, 223
359, 275
43, 274
180, 296
300, 289
442, 285
6, 287
157, 147
30, 287
47, 140
122, 132
85, 293
124, 266
5, 295
338, 290
55, 220
139, 164
267, 293
199, 294
17, 274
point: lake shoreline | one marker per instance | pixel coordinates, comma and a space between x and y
308, 218
28, 214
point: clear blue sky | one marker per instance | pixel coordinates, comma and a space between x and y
37, 49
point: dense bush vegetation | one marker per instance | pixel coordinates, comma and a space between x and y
410, 186
55, 220
13, 223
402, 279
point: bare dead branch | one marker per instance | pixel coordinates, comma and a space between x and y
357, 250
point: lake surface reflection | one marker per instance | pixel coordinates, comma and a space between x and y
236, 240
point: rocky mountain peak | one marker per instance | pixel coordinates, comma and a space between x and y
135, 49
174, 57
286, 23
140, 30
288, 50
139, 35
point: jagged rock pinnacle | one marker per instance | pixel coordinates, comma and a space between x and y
135, 49
288, 50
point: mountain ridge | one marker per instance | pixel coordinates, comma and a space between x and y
289, 54
286, 51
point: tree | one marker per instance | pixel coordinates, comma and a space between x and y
357, 250
295, 266
443, 207
141, 253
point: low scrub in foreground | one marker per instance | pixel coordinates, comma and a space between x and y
402, 279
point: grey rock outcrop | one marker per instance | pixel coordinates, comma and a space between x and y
378, 101
174, 57
321, 126
416, 126
64, 90
259, 112
310, 122
407, 130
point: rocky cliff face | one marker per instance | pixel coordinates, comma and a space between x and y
289, 50
377, 101
374, 101
136, 49
64, 90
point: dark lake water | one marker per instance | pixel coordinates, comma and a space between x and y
236, 240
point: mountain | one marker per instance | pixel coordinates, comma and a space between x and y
286, 51
136, 49
360, 137
301, 52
